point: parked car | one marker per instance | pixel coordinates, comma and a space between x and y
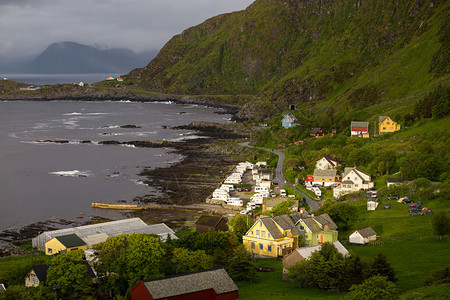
247, 189
416, 213
407, 200
240, 189
273, 195
393, 197
414, 207
387, 206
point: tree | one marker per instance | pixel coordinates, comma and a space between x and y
23, 292
380, 266
240, 224
441, 224
185, 261
374, 288
67, 274
126, 259
343, 214
283, 208
239, 267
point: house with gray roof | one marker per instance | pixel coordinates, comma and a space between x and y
353, 180
359, 129
271, 236
316, 229
362, 236
207, 284
289, 120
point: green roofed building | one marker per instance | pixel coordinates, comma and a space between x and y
64, 243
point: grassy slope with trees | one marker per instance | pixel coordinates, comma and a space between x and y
349, 59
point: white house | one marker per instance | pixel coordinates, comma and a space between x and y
327, 162
362, 236
352, 181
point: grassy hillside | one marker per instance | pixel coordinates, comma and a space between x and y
351, 55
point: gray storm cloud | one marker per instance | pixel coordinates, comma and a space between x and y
29, 26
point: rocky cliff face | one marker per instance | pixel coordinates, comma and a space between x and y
294, 51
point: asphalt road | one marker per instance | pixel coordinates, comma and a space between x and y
281, 180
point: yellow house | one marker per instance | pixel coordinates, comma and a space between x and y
271, 236
385, 125
325, 177
316, 229
64, 243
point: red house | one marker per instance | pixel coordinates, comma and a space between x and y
317, 132
360, 129
204, 285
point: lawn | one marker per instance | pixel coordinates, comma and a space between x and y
408, 242
269, 285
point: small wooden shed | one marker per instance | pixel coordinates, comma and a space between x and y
211, 223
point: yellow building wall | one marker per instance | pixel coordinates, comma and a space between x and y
57, 247
388, 126
259, 235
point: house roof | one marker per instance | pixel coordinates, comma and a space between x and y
311, 224
359, 124
382, 118
307, 251
286, 223
293, 118
315, 130
208, 220
2, 287
324, 173
269, 223
70, 240
113, 228
331, 160
325, 219
217, 279
366, 231
41, 272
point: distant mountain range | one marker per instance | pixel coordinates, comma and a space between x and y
74, 58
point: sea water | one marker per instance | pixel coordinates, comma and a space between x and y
41, 179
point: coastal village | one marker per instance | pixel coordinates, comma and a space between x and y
280, 224
268, 150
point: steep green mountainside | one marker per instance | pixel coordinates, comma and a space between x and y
347, 53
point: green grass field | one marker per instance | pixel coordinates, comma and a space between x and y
408, 243
269, 285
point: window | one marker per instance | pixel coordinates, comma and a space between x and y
356, 185
252, 232
253, 245
268, 235
269, 248
260, 224
388, 123
302, 227
263, 233
384, 128
49, 250
257, 232
261, 247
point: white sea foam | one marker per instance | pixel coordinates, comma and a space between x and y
73, 173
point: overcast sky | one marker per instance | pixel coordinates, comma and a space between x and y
27, 27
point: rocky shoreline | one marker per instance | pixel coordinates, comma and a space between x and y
183, 184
